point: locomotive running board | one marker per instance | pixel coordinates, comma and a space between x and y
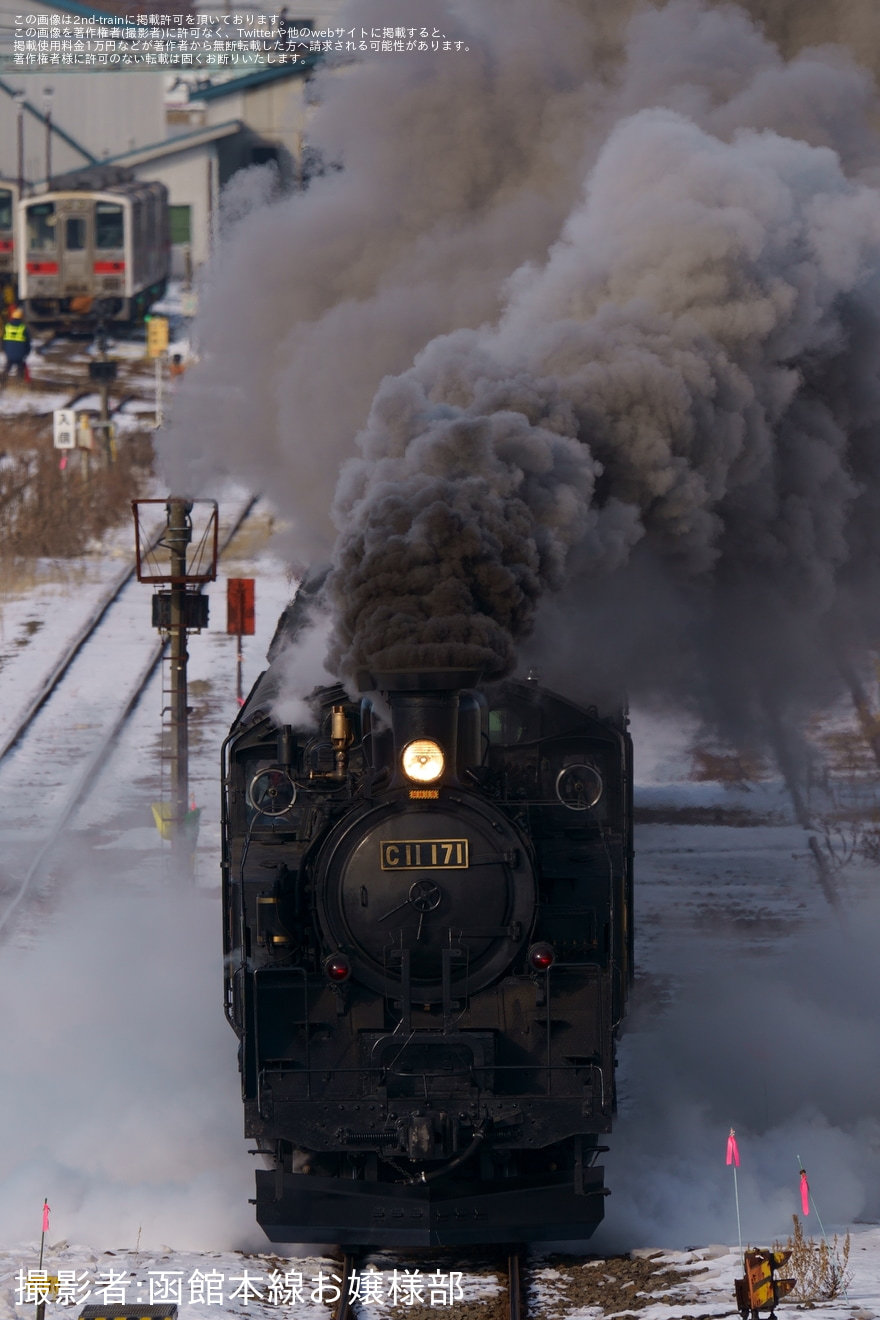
369, 1214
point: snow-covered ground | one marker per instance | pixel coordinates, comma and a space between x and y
696, 1283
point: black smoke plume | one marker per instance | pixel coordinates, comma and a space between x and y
601, 311
688, 386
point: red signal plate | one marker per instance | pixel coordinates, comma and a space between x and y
240, 606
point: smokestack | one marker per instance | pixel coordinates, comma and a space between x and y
424, 705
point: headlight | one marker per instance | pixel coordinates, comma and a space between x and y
423, 761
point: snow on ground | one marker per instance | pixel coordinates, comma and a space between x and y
28, 402
43, 606
136, 406
694, 1283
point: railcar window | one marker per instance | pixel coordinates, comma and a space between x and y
108, 225
179, 220
5, 208
75, 234
41, 227
505, 727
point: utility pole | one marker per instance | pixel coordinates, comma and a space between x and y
48, 97
102, 385
178, 537
102, 370
19, 124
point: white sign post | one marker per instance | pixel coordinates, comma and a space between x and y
159, 415
64, 420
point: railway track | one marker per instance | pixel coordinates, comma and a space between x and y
50, 759
514, 1286
514, 1309
61, 367
67, 657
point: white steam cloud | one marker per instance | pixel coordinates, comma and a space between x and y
786, 1051
121, 1098
302, 668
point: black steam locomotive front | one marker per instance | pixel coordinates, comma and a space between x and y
427, 919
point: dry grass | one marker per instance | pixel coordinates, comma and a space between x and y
820, 1269
47, 512
734, 769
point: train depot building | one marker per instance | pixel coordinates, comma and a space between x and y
189, 130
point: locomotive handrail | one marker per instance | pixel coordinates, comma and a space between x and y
612, 736
489, 1067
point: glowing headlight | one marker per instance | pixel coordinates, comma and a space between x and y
422, 761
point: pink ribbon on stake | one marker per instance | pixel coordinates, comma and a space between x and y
732, 1149
805, 1192
46, 1208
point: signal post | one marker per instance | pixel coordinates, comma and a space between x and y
177, 611
178, 537
240, 621
102, 372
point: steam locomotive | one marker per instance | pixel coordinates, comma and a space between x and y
427, 901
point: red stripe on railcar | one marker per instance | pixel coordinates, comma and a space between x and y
42, 268
108, 267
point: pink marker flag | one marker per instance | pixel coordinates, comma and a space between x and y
732, 1150
805, 1192
46, 1208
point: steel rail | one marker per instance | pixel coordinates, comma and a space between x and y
514, 1286
69, 654
344, 1309
514, 1258
89, 627
84, 781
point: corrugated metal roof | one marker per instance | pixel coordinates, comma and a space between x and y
182, 142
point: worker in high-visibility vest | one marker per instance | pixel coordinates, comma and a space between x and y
16, 343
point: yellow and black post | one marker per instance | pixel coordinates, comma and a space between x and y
760, 1290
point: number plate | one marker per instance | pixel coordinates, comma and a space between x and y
424, 854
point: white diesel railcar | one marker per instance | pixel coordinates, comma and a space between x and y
93, 252
8, 246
